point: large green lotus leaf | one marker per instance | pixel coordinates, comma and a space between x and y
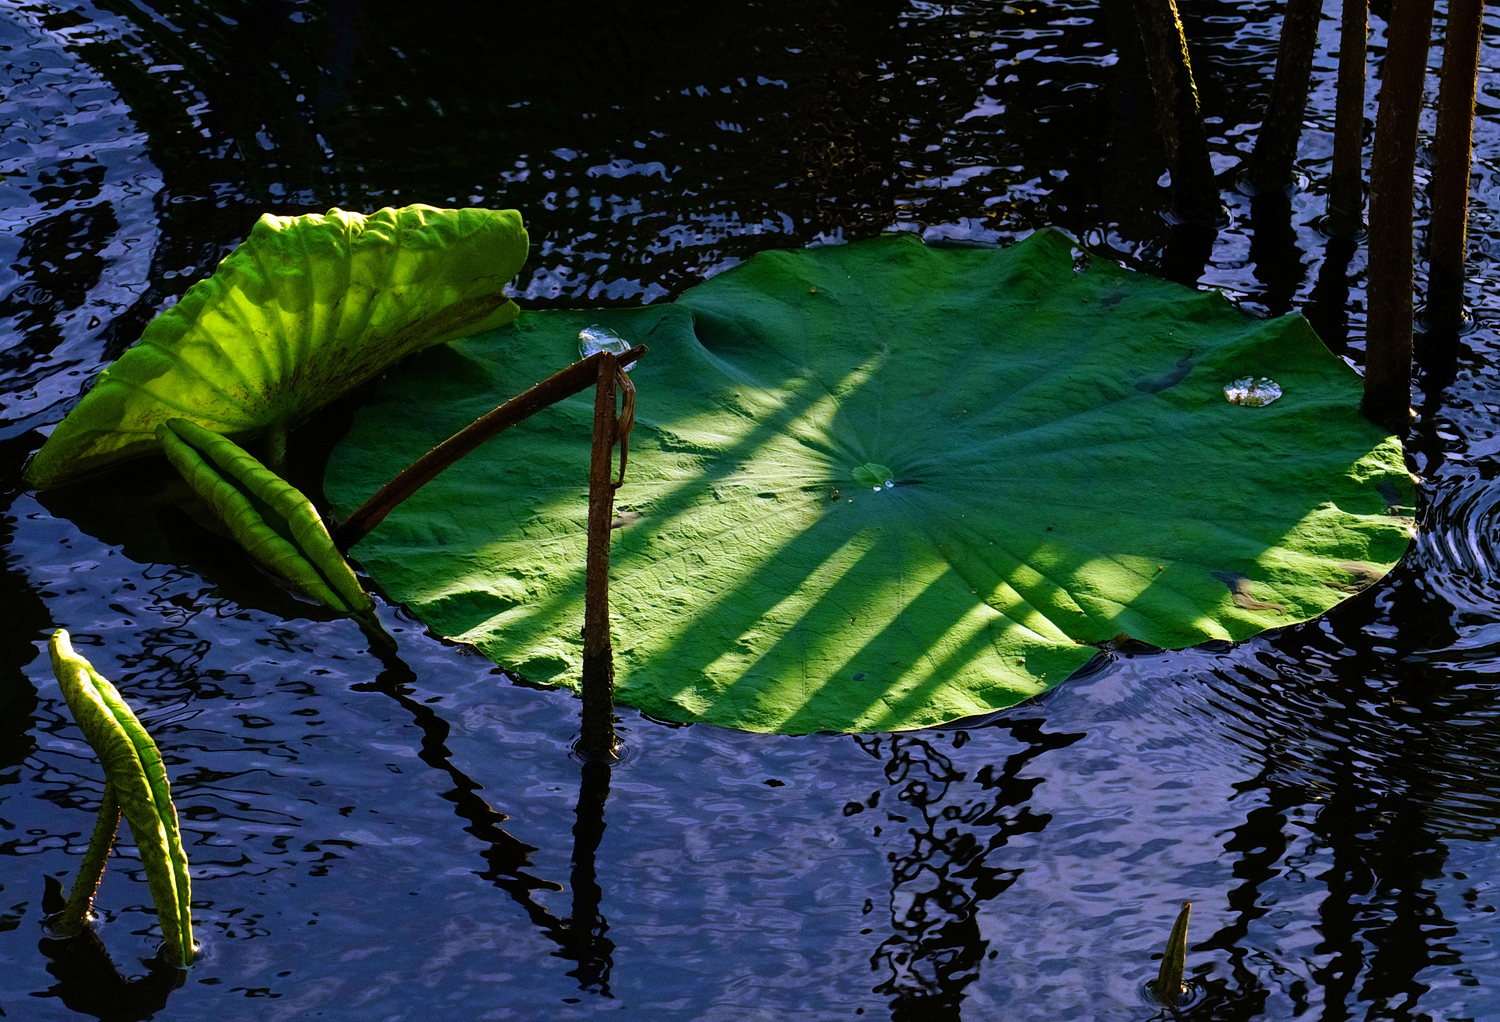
1065, 468
305, 309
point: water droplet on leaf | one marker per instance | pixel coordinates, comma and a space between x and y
1252, 393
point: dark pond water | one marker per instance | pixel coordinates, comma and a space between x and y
407, 838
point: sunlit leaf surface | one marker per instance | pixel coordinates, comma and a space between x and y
1064, 468
307, 308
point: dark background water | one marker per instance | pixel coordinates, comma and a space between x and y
406, 838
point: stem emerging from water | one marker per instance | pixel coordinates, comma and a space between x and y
1447, 242
1168, 984
598, 741
1388, 332
1346, 190
1276, 148
1195, 195
80, 907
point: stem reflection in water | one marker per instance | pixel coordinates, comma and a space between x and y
581, 937
948, 871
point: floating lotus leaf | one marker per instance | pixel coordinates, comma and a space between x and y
881, 485
307, 308
137, 779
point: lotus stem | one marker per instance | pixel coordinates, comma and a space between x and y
1346, 190
598, 740
575, 378
1195, 195
1447, 240
133, 769
1388, 331
79, 910
1168, 984
1276, 146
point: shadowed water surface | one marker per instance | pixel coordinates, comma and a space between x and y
406, 838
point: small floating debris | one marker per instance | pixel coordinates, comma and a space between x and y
1239, 588
1252, 393
594, 339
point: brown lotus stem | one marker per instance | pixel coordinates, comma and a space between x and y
577, 377
597, 740
1195, 195
1388, 329
1346, 189
1447, 240
80, 907
1276, 146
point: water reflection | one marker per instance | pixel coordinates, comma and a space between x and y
581, 936
90, 984
1328, 310
946, 872
506, 858
586, 926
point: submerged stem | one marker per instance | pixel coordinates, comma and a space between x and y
577, 377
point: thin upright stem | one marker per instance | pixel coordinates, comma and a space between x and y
1276, 146
275, 446
598, 740
1195, 195
80, 907
1346, 189
577, 377
1388, 331
1447, 240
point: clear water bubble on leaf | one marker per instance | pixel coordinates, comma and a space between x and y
1252, 393
594, 339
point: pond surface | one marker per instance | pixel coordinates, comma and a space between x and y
407, 838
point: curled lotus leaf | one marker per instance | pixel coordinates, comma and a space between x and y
884, 485
305, 309
272, 520
135, 774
